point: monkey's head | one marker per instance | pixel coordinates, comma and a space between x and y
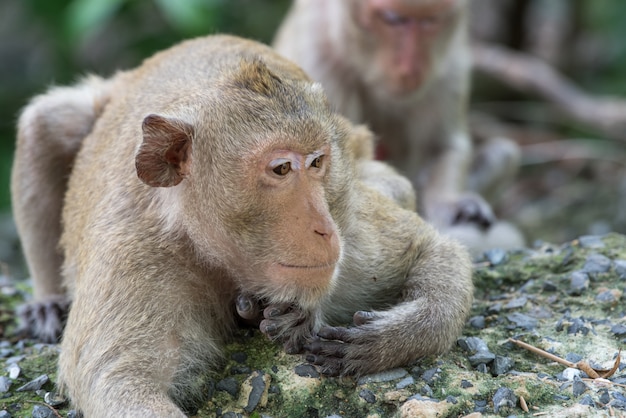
251, 163
401, 42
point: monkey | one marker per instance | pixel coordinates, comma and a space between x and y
216, 169
403, 68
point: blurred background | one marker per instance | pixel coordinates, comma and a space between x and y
572, 180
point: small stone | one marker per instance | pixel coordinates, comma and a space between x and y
505, 399
41, 411
560, 397
386, 376
34, 384
73, 414
596, 263
578, 325
570, 374
367, 395
480, 405
5, 384
54, 399
6, 352
5, 414
501, 365
427, 391
14, 371
477, 322
466, 384
604, 397
306, 370
579, 282
259, 382
239, 357
494, 309
591, 241
228, 385
496, 256
609, 296
240, 369
573, 357
482, 368
619, 396
472, 344
587, 400
482, 357
430, 376
620, 268
548, 286
451, 399
579, 388
407, 381
516, 303
522, 321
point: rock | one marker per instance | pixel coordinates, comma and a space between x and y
239, 357
385, 376
579, 387
587, 400
482, 357
579, 282
570, 374
35, 384
430, 376
466, 384
14, 371
591, 241
516, 303
5, 414
254, 391
620, 268
228, 385
609, 296
573, 357
54, 399
407, 381
501, 365
548, 286
414, 408
472, 344
522, 321
5, 384
41, 411
504, 399
596, 263
367, 395
477, 322
240, 369
495, 256
306, 370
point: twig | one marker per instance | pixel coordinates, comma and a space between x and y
527, 73
54, 411
542, 352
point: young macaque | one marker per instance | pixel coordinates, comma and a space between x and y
403, 67
216, 171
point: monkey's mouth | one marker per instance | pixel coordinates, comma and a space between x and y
313, 267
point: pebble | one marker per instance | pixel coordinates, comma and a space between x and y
5, 384
228, 385
522, 321
386, 376
570, 374
5, 414
482, 357
608, 296
427, 391
579, 387
578, 325
591, 241
34, 384
505, 399
41, 411
596, 263
496, 256
14, 371
482, 368
258, 382
472, 344
501, 365
573, 357
407, 381
480, 405
587, 400
516, 303
620, 268
306, 370
579, 282
54, 399
367, 395
240, 369
451, 399
477, 322
466, 384
604, 397
548, 286
239, 357
430, 376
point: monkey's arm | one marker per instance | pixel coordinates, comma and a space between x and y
434, 295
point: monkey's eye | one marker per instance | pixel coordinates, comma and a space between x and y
282, 169
392, 18
317, 162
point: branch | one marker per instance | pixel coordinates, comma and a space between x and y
529, 74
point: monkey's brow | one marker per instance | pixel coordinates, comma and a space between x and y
310, 157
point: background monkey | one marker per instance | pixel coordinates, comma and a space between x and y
403, 68
217, 168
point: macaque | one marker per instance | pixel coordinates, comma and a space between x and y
214, 172
403, 68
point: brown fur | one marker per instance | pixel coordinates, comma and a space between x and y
403, 68
177, 202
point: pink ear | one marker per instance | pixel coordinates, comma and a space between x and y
164, 157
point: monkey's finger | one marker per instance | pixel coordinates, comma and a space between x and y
363, 317
327, 348
272, 311
335, 333
327, 366
247, 307
268, 328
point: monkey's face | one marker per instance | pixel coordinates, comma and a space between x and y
403, 40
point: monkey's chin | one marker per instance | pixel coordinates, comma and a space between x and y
306, 284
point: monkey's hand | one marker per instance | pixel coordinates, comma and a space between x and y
357, 350
44, 320
465, 208
288, 324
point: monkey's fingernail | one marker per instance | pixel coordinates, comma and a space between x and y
273, 313
243, 304
269, 329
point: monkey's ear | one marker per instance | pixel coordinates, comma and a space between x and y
164, 157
